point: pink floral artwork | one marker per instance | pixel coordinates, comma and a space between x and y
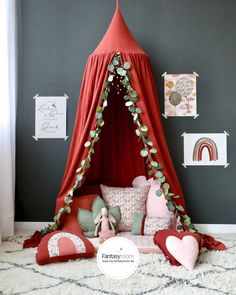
180, 95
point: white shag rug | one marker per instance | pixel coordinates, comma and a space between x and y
215, 274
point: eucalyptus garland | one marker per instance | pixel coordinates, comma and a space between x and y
117, 67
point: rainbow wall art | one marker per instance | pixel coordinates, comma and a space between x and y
205, 143
205, 149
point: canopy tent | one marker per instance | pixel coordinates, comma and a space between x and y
118, 132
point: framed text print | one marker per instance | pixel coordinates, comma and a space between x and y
50, 116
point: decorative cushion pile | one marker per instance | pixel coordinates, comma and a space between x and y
179, 248
148, 225
60, 246
130, 201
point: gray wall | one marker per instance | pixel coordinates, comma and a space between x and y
56, 37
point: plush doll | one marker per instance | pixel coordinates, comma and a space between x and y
106, 220
86, 218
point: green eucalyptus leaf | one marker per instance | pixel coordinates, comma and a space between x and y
99, 115
192, 230
137, 131
154, 164
107, 85
68, 210
162, 179
111, 68
133, 93
101, 122
127, 97
96, 139
127, 65
158, 192
92, 150
159, 174
159, 166
138, 110
61, 211
153, 151
144, 128
87, 144
134, 99
53, 226
166, 187
150, 172
191, 225
175, 197
149, 142
99, 109
180, 208
135, 117
115, 61
144, 153
104, 105
66, 200
131, 109
92, 133
125, 83
71, 192
171, 195
126, 77
120, 71
79, 169
170, 206
129, 103
104, 95
79, 177
110, 78
187, 221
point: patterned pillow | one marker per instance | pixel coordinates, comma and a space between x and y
61, 246
149, 225
130, 200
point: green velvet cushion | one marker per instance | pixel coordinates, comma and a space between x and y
137, 224
86, 217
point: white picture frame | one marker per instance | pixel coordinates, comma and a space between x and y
180, 95
205, 149
50, 117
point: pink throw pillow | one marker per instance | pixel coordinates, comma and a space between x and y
155, 206
130, 200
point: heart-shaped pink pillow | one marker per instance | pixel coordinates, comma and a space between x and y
184, 250
179, 247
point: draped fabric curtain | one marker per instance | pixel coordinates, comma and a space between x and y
8, 85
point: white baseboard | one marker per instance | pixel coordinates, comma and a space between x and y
30, 225
216, 228
204, 228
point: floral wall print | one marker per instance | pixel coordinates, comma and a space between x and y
205, 149
180, 95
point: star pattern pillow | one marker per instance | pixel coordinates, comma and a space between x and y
130, 200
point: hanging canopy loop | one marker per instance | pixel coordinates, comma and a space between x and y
117, 3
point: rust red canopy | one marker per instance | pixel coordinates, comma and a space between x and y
117, 159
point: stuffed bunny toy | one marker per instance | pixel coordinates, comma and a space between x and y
106, 220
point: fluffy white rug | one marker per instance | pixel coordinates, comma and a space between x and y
215, 274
